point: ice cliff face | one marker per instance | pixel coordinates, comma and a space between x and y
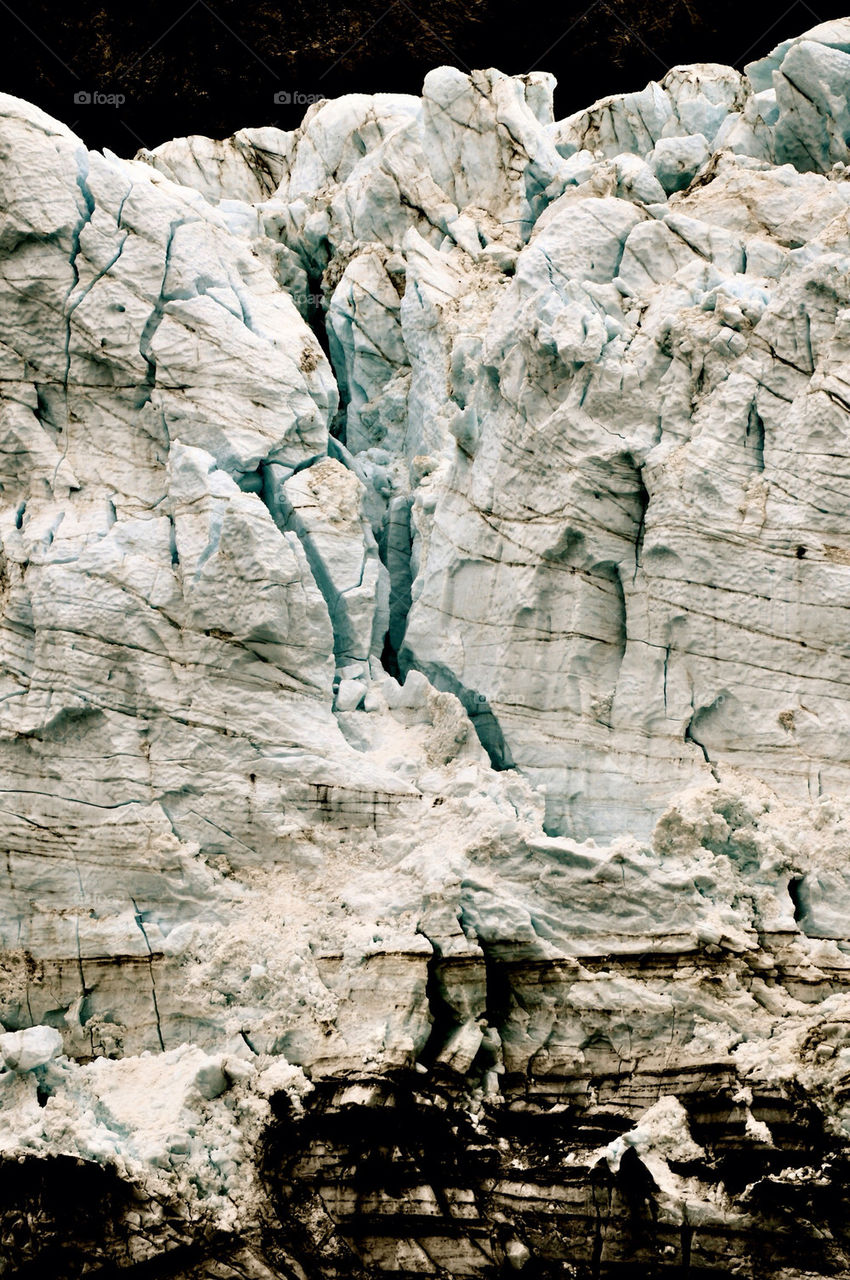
424, 572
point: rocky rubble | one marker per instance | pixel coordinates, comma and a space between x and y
425, 754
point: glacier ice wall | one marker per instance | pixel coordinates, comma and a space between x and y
424, 573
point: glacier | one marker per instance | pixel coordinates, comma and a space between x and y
424, 740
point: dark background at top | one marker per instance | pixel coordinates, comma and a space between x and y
213, 66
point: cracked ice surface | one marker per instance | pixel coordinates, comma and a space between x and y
511, 631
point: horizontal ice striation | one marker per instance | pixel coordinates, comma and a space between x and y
424, 740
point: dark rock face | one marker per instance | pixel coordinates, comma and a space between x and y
413, 1173
394, 1177
214, 68
385, 1177
66, 1217
399, 1183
